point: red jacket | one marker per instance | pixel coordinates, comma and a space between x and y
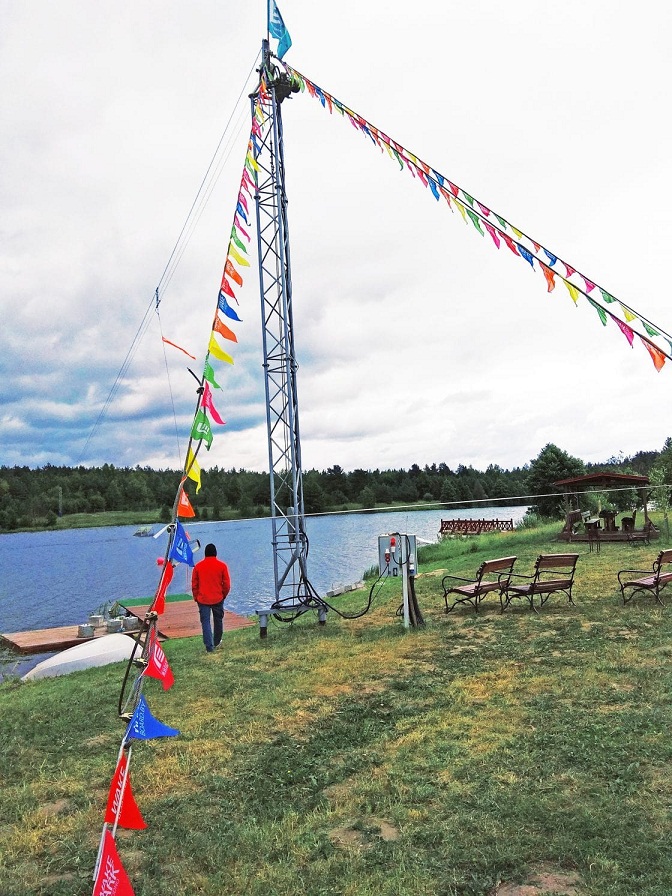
210, 581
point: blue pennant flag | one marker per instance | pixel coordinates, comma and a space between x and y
181, 551
552, 258
143, 725
225, 308
528, 256
433, 187
276, 28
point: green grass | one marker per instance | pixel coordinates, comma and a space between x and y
358, 759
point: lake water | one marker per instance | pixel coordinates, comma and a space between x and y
59, 578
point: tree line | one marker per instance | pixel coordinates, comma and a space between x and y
32, 497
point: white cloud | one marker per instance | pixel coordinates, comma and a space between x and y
417, 340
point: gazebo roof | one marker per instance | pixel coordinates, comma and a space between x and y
602, 480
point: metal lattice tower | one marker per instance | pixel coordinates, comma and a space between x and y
290, 543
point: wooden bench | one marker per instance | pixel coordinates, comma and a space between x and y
653, 580
492, 575
552, 573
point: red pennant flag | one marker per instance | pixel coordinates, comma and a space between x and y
232, 272
159, 602
158, 667
453, 189
226, 289
184, 507
121, 805
510, 243
111, 879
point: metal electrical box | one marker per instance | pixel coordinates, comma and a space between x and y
390, 546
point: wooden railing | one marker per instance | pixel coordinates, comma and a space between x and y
474, 527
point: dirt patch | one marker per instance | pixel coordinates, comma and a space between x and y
542, 882
48, 810
362, 834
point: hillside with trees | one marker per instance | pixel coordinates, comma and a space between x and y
36, 498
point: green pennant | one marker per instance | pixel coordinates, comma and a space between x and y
608, 298
501, 220
600, 310
397, 157
236, 239
649, 329
209, 375
201, 429
470, 199
474, 220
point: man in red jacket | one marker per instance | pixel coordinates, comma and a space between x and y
210, 584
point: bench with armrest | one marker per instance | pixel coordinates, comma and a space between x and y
652, 581
552, 573
491, 575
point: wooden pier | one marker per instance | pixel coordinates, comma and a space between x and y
180, 620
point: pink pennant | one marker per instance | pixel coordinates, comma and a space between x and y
484, 210
569, 268
493, 232
627, 331
207, 403
589, 284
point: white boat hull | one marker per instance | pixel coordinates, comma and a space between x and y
99, 652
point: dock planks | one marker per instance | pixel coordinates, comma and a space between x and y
180, 620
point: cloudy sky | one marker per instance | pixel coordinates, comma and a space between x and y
418, 341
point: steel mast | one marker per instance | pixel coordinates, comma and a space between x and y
290, 542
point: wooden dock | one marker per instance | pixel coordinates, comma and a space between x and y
180, 620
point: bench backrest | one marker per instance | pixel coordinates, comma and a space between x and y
491, 566
562, 563
661, 560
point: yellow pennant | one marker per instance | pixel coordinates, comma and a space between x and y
250, 158
517, 232
461, 209
193, 470
572, 290
238, 257
627, 314
217, 352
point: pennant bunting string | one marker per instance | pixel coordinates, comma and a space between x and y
518, 242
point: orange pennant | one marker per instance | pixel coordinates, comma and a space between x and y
232, 272
657, 356
221, 328
184, 507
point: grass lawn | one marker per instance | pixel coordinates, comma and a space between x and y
513, 754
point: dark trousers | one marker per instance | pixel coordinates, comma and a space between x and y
212, 635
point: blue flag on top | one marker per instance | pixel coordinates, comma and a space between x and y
276, 28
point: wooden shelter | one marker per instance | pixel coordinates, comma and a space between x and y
583, 526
